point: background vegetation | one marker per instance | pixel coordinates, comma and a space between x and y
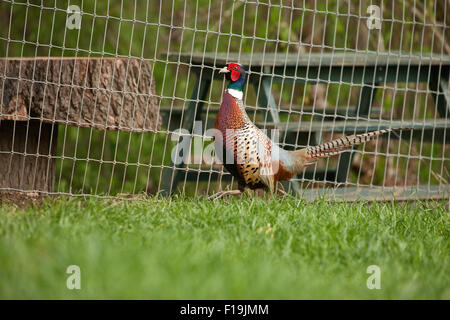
146, 29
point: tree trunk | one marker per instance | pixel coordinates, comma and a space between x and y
99, 93
30, 164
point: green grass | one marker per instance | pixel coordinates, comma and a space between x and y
193, 248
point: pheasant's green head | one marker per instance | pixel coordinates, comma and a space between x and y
236, 74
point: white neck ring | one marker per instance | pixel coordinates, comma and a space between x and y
236, 93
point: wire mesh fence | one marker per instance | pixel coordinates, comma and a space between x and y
95, 93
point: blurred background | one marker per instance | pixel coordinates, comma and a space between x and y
147, 29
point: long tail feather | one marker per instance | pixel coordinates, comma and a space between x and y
339, 145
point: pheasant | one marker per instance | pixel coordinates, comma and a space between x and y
248, 153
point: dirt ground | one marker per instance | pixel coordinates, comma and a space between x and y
21, 199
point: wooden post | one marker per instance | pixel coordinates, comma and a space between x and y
38, 94
29, 164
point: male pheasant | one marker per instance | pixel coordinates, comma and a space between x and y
248, 153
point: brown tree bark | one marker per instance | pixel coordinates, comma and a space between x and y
100, 93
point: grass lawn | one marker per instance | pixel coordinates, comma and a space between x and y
241, 248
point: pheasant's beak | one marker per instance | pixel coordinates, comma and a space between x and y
224, 70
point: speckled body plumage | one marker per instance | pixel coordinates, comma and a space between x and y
241, 139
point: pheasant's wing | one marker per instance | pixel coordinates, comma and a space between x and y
253, 149
247, 156
266, 172
240, 155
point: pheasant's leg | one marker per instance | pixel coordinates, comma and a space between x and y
280, 189
219, 185
220, 194
216, 195
259, 193
219, 179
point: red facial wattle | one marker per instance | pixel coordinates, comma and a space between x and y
235, 72
235, 75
